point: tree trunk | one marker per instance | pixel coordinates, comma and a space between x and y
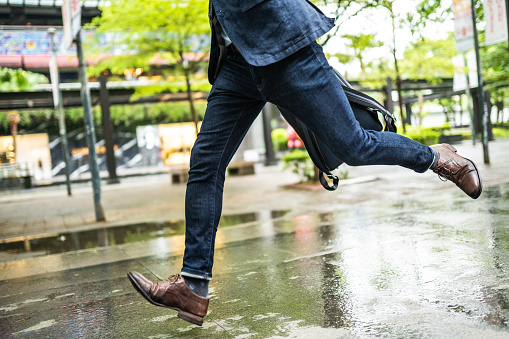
420, 100
461, 109
194, 115
500, 109
316, 178
398, 77
187, 74
400, 101
363, 70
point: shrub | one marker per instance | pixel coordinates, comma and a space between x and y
503, 125
500, 133
300, 163
427, 136
279, 139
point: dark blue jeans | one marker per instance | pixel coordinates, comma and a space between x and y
302, 84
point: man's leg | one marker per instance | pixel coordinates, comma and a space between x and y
233, 105
305, 85
226, 122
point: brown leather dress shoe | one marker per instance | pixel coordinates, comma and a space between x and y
172, 293
458, 169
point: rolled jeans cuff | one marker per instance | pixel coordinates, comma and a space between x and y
195, 274
436, 156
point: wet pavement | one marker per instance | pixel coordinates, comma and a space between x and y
427, 264
19, 248
409, 269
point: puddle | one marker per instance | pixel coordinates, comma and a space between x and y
22, 247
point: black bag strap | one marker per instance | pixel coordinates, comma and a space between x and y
313, 151
325, 184
315, 155
373, 105
321, 164
390, 124
367, 101
220, 41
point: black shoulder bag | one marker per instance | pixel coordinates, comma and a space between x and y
366, 111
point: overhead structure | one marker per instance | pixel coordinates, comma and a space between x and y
43, 12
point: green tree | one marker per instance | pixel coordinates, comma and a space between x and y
395, 23
428, 11
500, 97
430, 60
343, 10
17, 80
495, 63
359, 44
436, 11
448, 107
176, 31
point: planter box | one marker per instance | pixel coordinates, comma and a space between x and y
450, 139
241, 168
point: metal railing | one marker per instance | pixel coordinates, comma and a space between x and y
52, 3
14, 170
14, 176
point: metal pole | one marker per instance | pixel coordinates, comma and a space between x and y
480, 88
270, 157
61, 114
89, 128
388, 93
108, 130
507, 17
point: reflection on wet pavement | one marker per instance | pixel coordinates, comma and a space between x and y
398, 270
45, 244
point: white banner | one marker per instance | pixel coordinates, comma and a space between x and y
53, 72
460, 76
464, 28
71, 17
496, 21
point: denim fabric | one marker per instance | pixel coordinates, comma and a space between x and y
302, 84
267, 31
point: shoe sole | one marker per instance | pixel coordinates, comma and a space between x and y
192, 318
476, 170
480, 180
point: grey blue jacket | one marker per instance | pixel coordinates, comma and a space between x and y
266, 31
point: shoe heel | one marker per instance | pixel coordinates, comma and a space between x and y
450, 148
192, 318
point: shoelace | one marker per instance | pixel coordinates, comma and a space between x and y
171, 279
444, 173
174, 278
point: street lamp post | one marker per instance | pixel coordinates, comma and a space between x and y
108, 130
507, 17
59, 104
90, 130
480, 88
71, 17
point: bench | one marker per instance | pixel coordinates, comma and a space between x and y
241, 168
179, 174
450, 139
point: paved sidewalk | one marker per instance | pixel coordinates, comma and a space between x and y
402, 256
154, 199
